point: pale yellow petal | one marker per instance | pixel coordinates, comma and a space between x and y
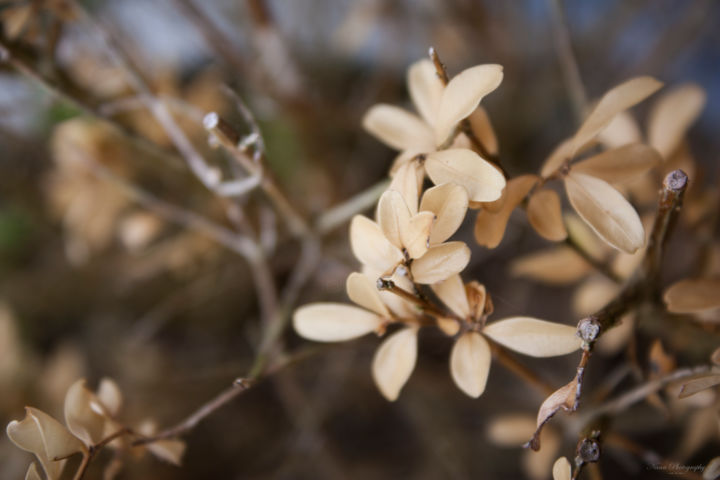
561, 469
392, 215
556, 266
613, 102
363, 291
415, 234
606, 211
483, 182
425, 89
621, 164
544, 213
462, 95
470, 363
81, 416
491, 223
394, 362
333, 322
398, 128
537, 338
449, 203
370, 245
440, 262
452, 293
693, 295
672, 115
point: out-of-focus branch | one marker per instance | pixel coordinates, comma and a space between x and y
598, 265
340, 214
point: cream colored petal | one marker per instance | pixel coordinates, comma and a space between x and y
693, 295
478, 299
606, 211
557, 157
585, 237
371, 247
170, 451
333, 322
462, 95
470, 363
393, 216
415, 234
398, 306
449, 326
490, 225
621, 164
613, 102
555, 266
449, 203
483, 182
363, 291
483, 130
672, 115
32, 473
452, 293
544, 213
440, 262
561, 469
110, 396
537, 338
81, 415
394, 362
48, 439
398, 128
425, 89
407, 180
622, 130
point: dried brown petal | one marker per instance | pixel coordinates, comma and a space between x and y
370, 245
407, 181
109, 394
693, 295
394, 362
482, 181
621, 164
545, 215
556, 266
449, 203
623, 129
452, 293
537, 338
613, 102
462, 95
81, 414
490, 226
363, 291
470, 363
416, 234
694, 386
398, 128
660, 362
483, 130
478, 299
563, 398
672, 115
333, 322
440, 262
425, 89
606, 211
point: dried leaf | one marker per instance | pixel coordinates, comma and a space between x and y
393, 215
563, 398
110, 396
557, 157
407, 180
537, 338
81, 414
693, 295
370, 245
672, 115
440, 262
545, 215
462, 95
623, 129
363, 291
606, 211
449, 203
483, 130
478, 299
483, 182
490, 226
425, 89
449, 326
694, 386
613, 102
452, 293
556, 266
621, 164
561, 469
415, 234
394, 362
398, 128
470, 363
333, 322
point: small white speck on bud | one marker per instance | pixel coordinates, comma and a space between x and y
213, 176
211, 120
401, 270
248, 140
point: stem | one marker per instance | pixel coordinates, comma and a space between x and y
423, 304
80, 473
339, 214
511, 363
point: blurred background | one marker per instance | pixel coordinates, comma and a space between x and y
91, 285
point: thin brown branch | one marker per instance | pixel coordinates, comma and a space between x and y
509, 361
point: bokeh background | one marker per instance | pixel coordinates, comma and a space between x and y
107, 290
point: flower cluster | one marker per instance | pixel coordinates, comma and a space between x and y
410, 275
